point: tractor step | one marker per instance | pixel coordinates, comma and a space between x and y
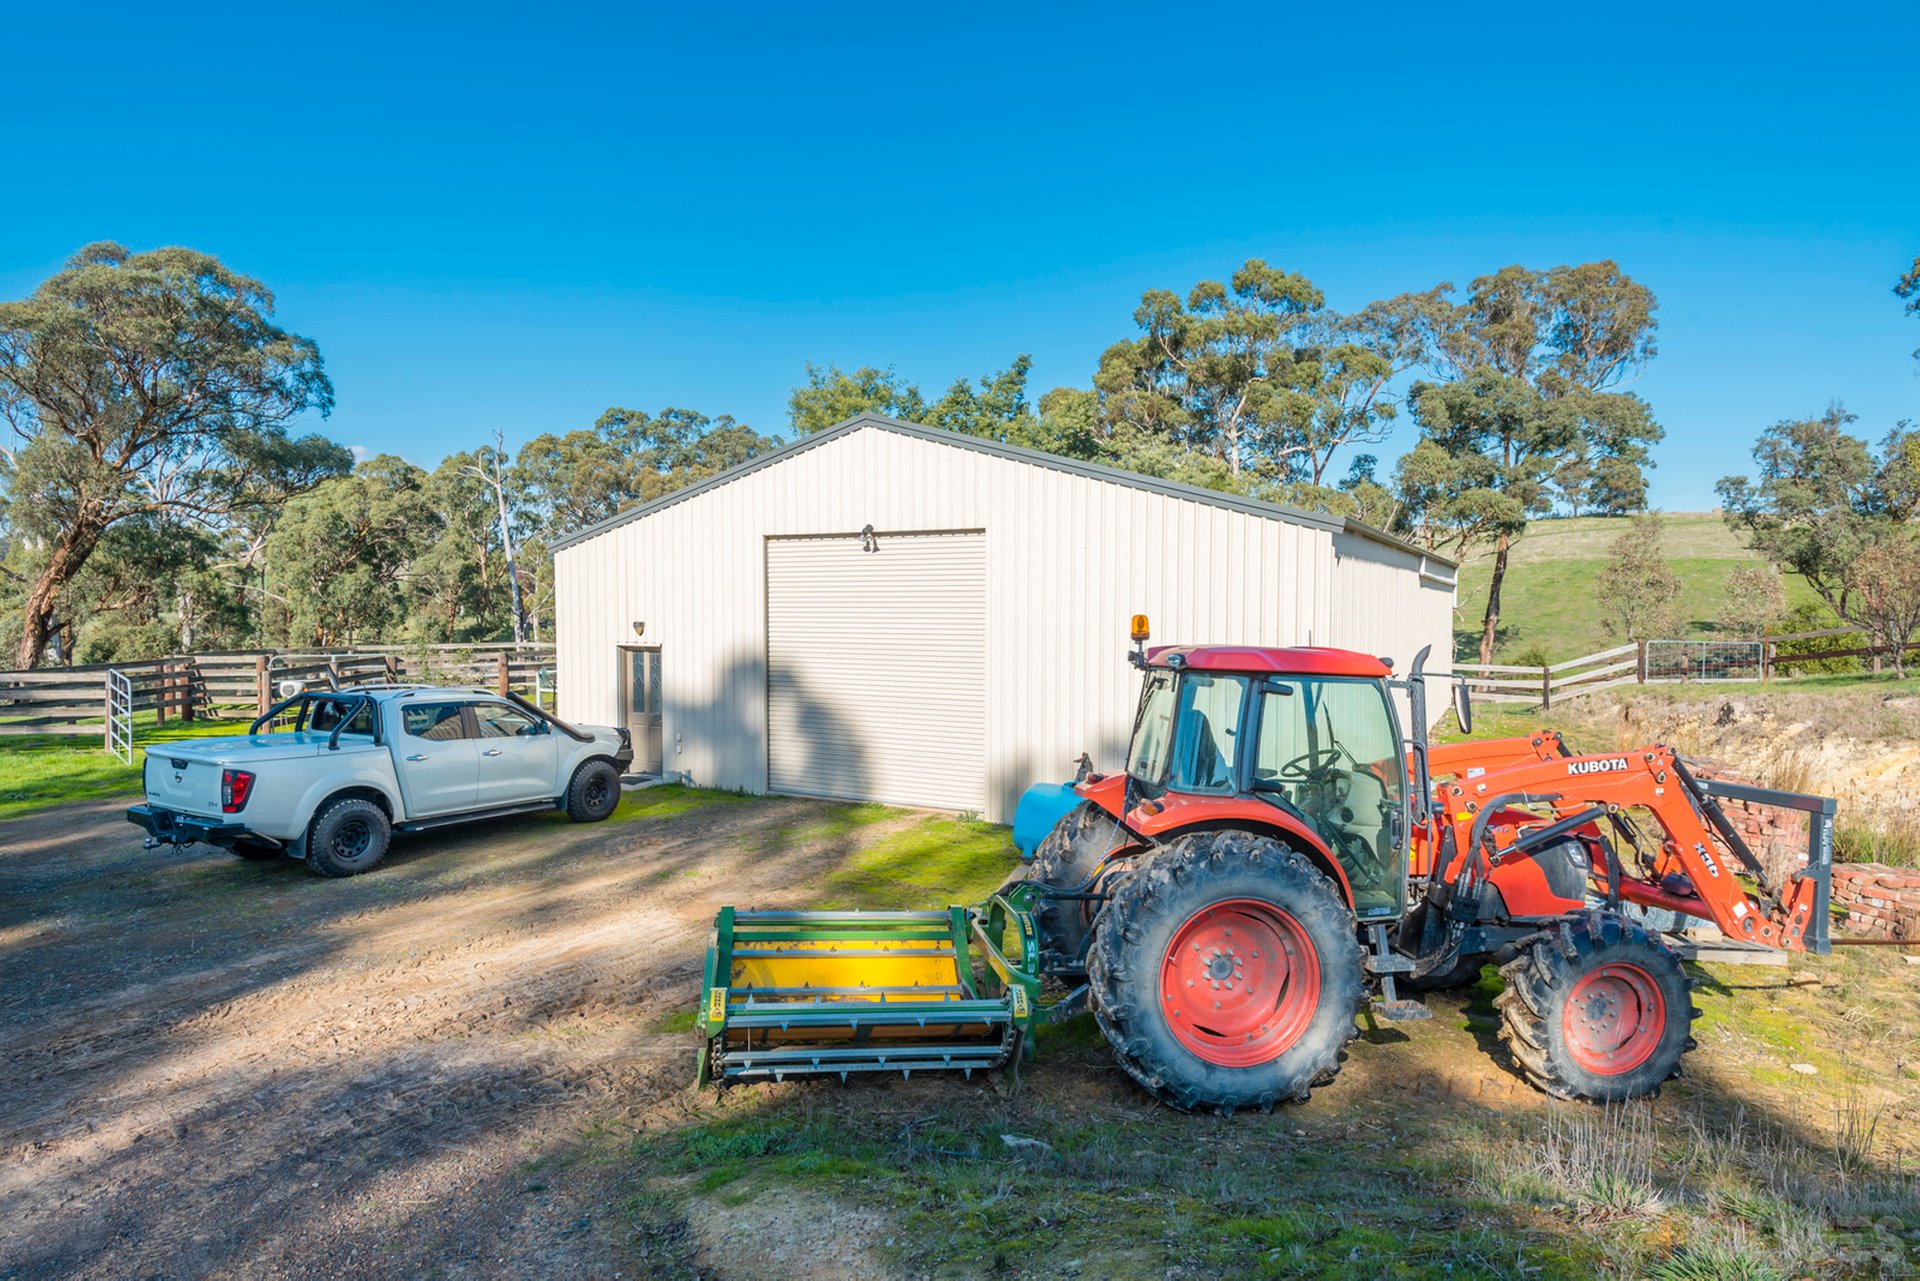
1402, 1011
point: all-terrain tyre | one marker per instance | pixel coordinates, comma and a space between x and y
594, 792
1597, 1007
347, 837
1226, 973
256, 851
1064, 861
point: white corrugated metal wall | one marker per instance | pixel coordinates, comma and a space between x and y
1069, 558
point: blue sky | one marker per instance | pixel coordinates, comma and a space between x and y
514, 217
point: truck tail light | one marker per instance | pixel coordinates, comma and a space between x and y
235, 786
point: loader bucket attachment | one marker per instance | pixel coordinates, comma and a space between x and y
835, 993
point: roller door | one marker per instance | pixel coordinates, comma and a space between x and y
876, 668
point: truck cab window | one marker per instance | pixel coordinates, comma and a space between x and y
499, 721
437, 722
327, 712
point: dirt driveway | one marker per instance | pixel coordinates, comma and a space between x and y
215, 1067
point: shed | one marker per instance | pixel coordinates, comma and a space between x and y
892, 612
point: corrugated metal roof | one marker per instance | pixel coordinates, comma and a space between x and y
1014, 453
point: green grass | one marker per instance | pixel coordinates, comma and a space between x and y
936, 861
667, 800
44, 770
1548, 599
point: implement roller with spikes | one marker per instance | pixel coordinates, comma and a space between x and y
1276, 858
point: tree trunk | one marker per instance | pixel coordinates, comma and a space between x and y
69, 556
1492, 620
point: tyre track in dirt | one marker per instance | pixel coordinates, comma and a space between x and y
217, 1067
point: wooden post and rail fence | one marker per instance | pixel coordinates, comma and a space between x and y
1660, 662
240, 685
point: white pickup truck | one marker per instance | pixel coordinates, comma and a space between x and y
360, 764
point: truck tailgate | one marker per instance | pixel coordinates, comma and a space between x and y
183, 783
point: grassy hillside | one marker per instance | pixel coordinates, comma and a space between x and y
1549, 596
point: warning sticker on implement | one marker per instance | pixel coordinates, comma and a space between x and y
717, 1005
1019, 1002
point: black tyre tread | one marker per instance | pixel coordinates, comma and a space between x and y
1547, 965
317, 857
577, 808
1065, 858
1147, 896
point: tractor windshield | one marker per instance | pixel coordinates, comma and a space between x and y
1329, 749
1185, 738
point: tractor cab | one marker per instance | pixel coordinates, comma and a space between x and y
1303, 740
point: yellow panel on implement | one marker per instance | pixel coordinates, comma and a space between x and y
810, 993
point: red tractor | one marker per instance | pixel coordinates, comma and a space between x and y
1277, 853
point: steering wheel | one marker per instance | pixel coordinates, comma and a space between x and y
1307, 764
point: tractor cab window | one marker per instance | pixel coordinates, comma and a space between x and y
1328, 750
1186, 739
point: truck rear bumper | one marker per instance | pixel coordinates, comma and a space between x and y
170, 827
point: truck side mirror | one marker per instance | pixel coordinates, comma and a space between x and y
1463, 706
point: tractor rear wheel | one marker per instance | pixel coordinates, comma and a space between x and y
1597, 1007
1064, 861
1226, 973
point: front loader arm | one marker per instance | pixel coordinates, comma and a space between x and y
1699, 843
1461, 759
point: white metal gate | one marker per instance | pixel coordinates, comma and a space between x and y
877, 668
120, 715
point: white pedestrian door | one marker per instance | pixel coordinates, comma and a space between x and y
877, 668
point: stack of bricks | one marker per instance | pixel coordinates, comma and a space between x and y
1777, 837
1881, 902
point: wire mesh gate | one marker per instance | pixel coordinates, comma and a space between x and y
1688, 661
120, 715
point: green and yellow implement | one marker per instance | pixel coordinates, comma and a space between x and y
834, 993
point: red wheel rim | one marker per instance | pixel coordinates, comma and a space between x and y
1240, 983
1613, 1019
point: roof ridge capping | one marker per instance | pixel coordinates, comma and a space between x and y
1014, 453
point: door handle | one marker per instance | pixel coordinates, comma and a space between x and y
416, 757
491, 751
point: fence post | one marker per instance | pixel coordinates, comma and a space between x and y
1686, 664
1546, 688
191, 672
160, 694
1766, 659
393, 669
1640, 662
260, 684
501, 677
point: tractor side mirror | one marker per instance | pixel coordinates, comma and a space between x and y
1463, 706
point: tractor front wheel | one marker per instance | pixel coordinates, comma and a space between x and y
1597, 1007
1065, 861
1226, 973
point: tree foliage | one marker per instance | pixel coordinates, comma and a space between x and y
1886, 581
1532, 407
148, 387
1637, 588
1756, 600
1908, 287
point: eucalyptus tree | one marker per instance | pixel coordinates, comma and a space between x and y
151, 385
1536, 359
